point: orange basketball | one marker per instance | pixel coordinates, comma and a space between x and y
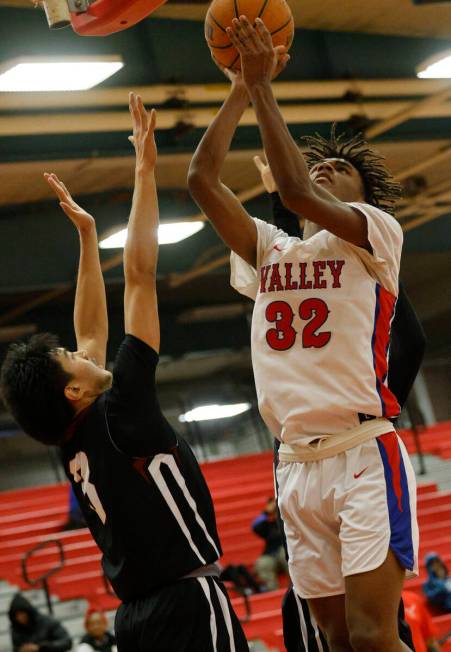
276, 14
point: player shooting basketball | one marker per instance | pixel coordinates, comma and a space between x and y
138, 483
320, 337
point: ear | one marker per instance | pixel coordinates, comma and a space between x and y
72, 391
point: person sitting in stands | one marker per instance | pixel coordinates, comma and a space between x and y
97, 636
32, 631
420, 622
273, 560
437, 587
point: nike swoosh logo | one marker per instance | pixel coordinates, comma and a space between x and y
357, 475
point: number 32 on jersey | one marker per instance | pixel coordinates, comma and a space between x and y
282, 337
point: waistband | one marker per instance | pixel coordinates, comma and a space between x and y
331, 445
210, 570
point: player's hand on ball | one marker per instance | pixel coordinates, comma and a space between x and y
143, 139
235, 77
266, 175
78, 216
260, 60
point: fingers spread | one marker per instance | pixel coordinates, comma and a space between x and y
249, 34
263, 32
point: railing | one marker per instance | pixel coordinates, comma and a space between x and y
43, 579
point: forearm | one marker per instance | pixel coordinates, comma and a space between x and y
215, 144
141, 249
90, 310
284, 156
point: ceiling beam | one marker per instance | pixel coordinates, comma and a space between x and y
117, 121
414, 110
216, 93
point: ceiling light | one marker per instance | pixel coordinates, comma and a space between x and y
207, 412
437, 67
62, 74
168, 233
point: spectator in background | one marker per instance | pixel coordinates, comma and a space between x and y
97, 636
420, 622
273, 560
437, 587
32, 631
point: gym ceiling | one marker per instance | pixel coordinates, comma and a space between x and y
353, 62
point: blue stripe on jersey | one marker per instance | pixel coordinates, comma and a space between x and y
398, 499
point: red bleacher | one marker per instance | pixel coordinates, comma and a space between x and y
240, 487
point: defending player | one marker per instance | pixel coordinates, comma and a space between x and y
140, 487
320, 336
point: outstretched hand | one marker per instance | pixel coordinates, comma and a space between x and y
266, 175
78, 216
143, 138
260, 60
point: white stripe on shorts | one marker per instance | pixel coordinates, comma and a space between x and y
301, 620
214, 631
226, 611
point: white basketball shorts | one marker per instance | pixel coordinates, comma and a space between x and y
343, 513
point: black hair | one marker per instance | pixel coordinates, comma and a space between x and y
381, 190
32, 386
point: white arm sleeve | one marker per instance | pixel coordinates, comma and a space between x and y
385, 237
243, 277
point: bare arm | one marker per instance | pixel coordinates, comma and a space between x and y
291, 174
90, 309
141, 248
220, 205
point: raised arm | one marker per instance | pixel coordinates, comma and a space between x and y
220, 205
90, 310
141, 248
291, 173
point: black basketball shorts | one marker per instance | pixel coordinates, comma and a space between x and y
191, 615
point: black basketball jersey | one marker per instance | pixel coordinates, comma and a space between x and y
138, 484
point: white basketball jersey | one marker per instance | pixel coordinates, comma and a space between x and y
321, 327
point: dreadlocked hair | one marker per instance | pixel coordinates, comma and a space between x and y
380, 188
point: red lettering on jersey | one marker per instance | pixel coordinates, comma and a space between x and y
318, 268
289, 284
336, 267
264, 277
275, 283
303, 283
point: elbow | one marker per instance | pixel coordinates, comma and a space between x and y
292, 199
297, 194
200, 177
140, 275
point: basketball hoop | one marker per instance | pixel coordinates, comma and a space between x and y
97, 17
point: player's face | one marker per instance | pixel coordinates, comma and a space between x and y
22, 618
340, 178
439, 569
92, 378
96, 625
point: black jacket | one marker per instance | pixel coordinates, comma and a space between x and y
42, 630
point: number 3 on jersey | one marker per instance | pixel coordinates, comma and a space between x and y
283, 336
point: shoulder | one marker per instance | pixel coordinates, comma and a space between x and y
376, 215
134, 346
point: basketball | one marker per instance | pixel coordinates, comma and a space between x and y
276, 14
